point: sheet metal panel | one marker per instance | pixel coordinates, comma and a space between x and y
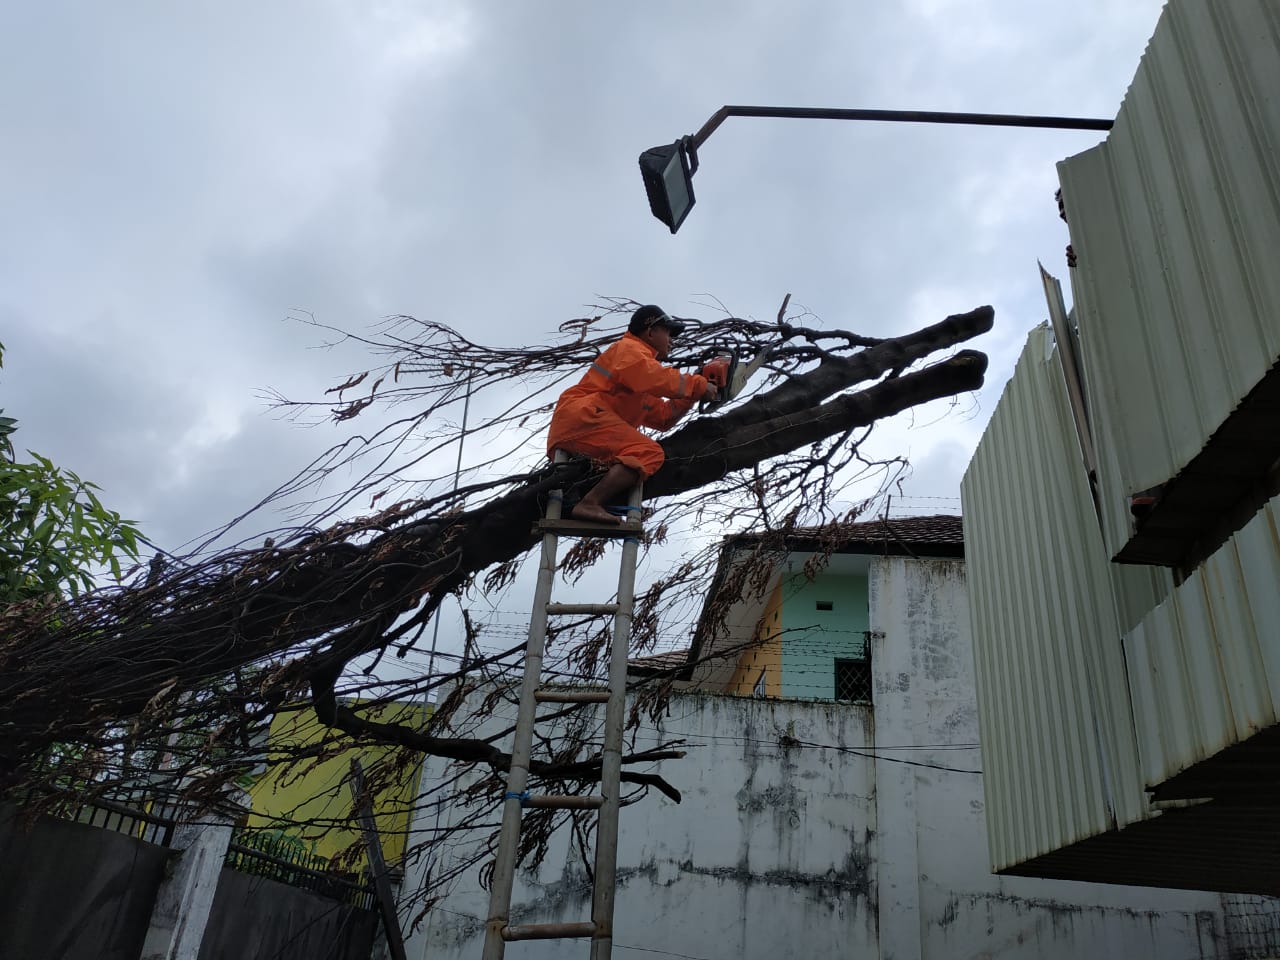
1175, 220
1060, 758
1204, 665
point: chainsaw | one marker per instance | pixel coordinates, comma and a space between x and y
736, 376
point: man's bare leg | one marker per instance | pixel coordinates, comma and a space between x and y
617, 480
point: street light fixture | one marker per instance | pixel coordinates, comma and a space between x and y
668, 180
668, 170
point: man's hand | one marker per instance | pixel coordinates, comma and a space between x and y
713, 392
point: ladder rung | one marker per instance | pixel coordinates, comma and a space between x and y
554, 801
548, 931
594, 609
585, 528
571, 696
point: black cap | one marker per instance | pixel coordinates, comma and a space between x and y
651, 316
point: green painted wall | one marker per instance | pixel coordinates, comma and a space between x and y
812, 639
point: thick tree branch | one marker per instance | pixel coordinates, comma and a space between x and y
481, 751
838, 373
706, 452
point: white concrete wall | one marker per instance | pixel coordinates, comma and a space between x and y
769, 855
938, 899
812, 829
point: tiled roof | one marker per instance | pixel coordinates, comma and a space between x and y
941, 531
938, 528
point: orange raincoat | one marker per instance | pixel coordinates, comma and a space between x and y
624, 389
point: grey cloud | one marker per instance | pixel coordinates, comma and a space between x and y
175, 184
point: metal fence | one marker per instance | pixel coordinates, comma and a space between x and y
1253, 927
278, 857
148, 821
128, 812
262, 853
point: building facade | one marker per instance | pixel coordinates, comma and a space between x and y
309, 803
818, 825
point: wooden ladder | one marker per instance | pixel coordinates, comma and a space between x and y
599, 928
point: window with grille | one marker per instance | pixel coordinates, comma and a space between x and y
853, 680
759, 690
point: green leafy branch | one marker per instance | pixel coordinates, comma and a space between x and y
54, 531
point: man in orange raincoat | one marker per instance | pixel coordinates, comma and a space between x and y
628, 387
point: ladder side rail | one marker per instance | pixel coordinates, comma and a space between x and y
606, 860
522, 747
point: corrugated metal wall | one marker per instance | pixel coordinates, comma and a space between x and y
1205, 664
1176, 224
1175, 220
1060, 759
1080, 716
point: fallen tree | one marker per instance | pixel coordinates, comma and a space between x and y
219, 640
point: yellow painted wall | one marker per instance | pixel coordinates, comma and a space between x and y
765, 655
305, 800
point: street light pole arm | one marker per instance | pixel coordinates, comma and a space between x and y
898, 116
668, 169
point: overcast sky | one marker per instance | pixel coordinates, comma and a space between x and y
178, 179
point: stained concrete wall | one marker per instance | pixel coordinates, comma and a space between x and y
69, 891
770, 854
938, 898
829, 830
